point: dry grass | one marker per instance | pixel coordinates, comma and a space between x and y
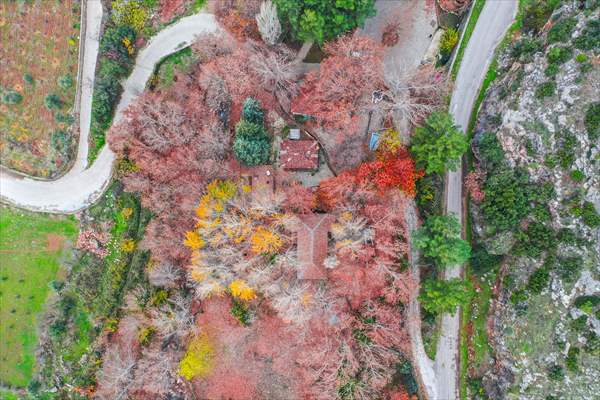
38, 38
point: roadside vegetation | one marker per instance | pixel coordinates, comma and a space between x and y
39, 51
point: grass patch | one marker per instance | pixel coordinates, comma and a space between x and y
164, 72
477, 7
31, 247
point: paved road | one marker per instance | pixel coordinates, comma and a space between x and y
494, 20
81, 187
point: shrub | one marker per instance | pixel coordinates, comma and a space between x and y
28, 79
61, 141
490, 150
63, 118
538, 281
439, 238
506, 199
566, 235
577, 176
113, 41
12, 97
448, 41
239, 310
559, 55
252, 145
198, 359
518, 296
525, 48
552, 70
556, 373
145, 335
569, 268
561, 31
587, 303
482, 261
535, 240
65, 81
541, 213
590, 215
536, 14
581, 58
592, 121
571, 360
445, 296
130, 12
252, 112
589, 38
53, 102
566, 153
579, 324
546, 89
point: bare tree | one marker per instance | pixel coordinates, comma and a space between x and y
268, 23
173, 320
115, 377
412, 95
164, 274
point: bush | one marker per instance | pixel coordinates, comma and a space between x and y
559, 55
145, 335
113, 41
239, 310
61, 141
53, 102
541, 213
252, 112
448, 41
546, 89
556, 373
590, 215
445, 296
571, 360
11, 97
130, 13
538, 281
525, 48
482, 261
506, 200
535, 240
490, 150
581, 58
28, 79
440, 239
587, 303
592, 121
567, 236
577, 176
561, 31
63, 118
566, 152
589, 39
552, 70
569, 268
252, 145
65, 81
579, 324
536, 14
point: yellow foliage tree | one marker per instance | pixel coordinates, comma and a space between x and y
241, 290
265, 241
198, 359
130, 12
193, 240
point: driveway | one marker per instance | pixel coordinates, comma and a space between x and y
81, 187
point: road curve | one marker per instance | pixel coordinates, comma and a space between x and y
80, 187
494, 20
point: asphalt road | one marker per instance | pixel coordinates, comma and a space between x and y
494, 20
81, 187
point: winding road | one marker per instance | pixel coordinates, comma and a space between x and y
439, 377
81, 186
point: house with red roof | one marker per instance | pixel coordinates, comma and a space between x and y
299, 155
312, 245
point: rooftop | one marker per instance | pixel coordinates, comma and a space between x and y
312, 245
299, 155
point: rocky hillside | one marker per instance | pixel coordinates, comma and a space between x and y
537, 162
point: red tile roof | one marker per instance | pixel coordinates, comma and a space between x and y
312, 245
299, 154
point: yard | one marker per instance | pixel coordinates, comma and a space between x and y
38, 58
32, 247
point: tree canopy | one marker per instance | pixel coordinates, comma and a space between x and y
252, 144
439, 238
444, 296
438, 144
323, 20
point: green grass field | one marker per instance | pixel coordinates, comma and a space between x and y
31, 249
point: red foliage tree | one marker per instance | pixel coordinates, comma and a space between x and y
168, 9
335, 93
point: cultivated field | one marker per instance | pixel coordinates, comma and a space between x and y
31, 249
38, 60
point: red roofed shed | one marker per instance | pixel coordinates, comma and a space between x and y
299, 155
312, 245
